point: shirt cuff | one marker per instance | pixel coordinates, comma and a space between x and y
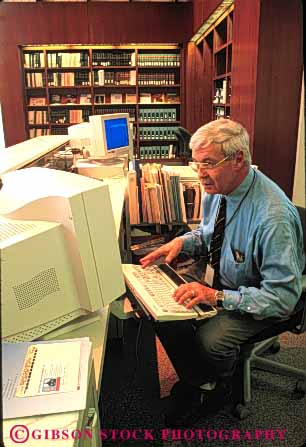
232, 299
187, 244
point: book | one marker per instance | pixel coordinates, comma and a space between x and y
158, 98
145, 98
85, 98
130, 98
55, 99
172, 98
37, 101
133, 197
116, 98
68, 99
100, 99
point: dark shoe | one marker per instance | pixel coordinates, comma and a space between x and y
187, 404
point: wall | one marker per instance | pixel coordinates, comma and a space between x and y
299, 187
86, 23
278, 89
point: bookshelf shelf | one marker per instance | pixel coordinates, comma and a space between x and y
70, 82
154, 123
67, 68
113, 67
159, 86
217, 46
114, 86
39, 125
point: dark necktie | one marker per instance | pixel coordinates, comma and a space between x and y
216, 242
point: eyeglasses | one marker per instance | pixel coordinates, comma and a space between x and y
207, 164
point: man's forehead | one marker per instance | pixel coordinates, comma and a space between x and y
207, 151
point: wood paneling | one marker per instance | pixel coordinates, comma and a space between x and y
202, 9
84, 23
244, 63
43, 23
193, 91
198, 85
279, 77
139, 22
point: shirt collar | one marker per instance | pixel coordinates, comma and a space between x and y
234, 198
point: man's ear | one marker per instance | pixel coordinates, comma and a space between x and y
239, 160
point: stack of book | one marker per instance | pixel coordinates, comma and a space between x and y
166, 196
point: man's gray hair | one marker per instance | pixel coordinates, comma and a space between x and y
232, 137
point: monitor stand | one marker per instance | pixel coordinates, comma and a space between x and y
102, 168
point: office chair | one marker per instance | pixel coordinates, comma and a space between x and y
267, 340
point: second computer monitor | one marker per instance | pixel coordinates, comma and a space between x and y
111, 136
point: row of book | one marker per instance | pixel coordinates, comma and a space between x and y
157, 151
69, 116
157, 79
113, 58
220, 96
34, 59
103, 58
106, 111
104, 77
35, 79
221, 112
159, 98
59, 130
63, 59
161, 196
157, 115
157, 133
159, 60
115, 98
36, 132
67, 79
145, 115
37, 117
59, 99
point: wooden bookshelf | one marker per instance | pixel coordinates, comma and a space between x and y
219, 40
64, 85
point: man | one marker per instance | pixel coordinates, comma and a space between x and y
251, 236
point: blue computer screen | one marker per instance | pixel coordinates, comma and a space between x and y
116, 133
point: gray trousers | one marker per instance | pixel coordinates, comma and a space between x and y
208, 350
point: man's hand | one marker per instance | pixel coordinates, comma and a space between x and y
196, 293
169, 250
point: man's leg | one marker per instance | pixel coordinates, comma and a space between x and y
202, 356
219, 339
184, 352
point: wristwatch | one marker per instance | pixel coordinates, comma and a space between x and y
219, 297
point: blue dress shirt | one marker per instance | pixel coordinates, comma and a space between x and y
262, 256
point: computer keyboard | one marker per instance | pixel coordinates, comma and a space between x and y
154, 287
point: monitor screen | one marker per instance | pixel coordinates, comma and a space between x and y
111, 136
86, 234
116, 133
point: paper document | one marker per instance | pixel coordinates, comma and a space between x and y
50, 368
45, 377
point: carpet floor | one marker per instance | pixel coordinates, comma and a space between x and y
137, 373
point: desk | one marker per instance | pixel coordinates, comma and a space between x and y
23, 154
